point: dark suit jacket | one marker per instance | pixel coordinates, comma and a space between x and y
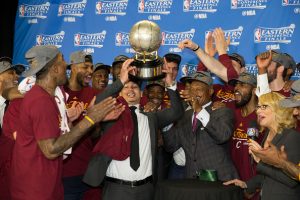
207, 148
98, 165
275, 184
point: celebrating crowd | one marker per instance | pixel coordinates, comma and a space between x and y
82, 138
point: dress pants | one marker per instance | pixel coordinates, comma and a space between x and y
115, 191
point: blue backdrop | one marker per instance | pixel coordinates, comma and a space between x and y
101, 27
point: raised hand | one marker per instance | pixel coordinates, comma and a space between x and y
220, 41
75, 110
126, 69
209, 45
169, 73
187, 43
271, 155
185, 94
150, 107
115, 113
263, 60
98, 112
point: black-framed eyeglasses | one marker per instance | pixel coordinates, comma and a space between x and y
262, 107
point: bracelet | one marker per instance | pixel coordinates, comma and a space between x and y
198, 47
89, 119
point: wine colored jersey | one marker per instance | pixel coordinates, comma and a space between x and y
239, 145
76, 163
33, 176
10, 121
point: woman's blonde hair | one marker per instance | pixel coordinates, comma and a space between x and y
283, 116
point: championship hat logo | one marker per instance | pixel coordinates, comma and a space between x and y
55, 39
279, 35
111, 7
155, 6
202, 6
90, 39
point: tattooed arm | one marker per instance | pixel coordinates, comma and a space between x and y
54, 147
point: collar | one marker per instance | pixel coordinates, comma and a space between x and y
208, 104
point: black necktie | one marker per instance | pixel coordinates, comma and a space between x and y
134, 154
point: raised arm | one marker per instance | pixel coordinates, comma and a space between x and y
211, 63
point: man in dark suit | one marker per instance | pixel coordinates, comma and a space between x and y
126, 179
203, 132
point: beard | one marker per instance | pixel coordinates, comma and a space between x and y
80, 80
244, 100
272, 76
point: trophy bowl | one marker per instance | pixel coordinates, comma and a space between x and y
145, 39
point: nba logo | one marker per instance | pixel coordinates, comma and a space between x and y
186, 5
39, 40
141, 6
77, 39
60, 10
234, 3
22, 10
163, 38
257, 35
98, 7
118, 39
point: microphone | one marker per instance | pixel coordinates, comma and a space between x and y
252, 130
252, 133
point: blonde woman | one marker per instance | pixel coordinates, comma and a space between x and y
279, 125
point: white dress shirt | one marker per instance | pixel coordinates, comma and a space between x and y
203, 115
121, 169
2, 109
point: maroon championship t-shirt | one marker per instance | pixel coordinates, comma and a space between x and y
10, 121
239, 145
33, 176
76, 163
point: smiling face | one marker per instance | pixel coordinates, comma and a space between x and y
100, 79
131, 92
83, 73
242, 93
9, 78
156, 94
200, 94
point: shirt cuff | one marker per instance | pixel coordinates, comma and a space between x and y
172, 87
203, 116
2, 100
262, 85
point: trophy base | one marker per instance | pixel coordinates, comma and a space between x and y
148, 70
